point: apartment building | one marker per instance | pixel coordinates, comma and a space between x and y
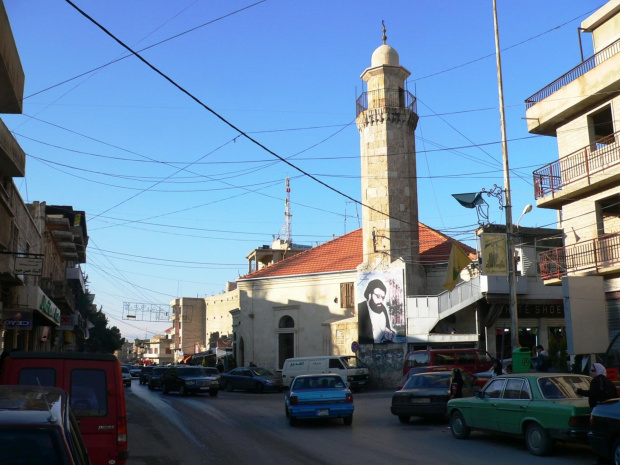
582, 109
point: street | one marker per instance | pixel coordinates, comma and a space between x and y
245, 427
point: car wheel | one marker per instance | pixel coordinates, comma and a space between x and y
286, 412
183, 391
615, 453
538, 440
348, 420
259, 388
292, 421
459, 428
165, 389
404, 418
229, 387
213, 392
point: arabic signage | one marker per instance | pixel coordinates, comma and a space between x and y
28, 266
32, 297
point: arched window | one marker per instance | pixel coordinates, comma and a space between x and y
286, 322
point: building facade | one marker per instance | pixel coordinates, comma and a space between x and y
582, 110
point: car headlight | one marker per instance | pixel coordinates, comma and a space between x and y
190, 383
267, 381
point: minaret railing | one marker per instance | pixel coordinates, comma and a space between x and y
391, 98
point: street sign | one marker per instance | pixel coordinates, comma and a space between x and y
355, 346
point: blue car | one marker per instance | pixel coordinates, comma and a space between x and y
318, 396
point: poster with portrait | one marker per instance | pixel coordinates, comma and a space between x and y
494, 254
380, 301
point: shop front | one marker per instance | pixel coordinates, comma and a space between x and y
31, 322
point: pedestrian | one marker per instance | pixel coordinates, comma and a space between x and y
220, 365
457, 384
542, 362
498, 369
601, 387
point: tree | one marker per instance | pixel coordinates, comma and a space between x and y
101, 338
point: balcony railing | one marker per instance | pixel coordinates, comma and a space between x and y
582, 164
396, 98
590, 256
574, 73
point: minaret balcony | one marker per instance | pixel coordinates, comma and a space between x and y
390, 98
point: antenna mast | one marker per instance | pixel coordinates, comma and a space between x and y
286, 227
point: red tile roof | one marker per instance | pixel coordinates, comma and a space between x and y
345, 254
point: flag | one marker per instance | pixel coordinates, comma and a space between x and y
457, 261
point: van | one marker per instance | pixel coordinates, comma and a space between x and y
471, 360
95, 387
349, 367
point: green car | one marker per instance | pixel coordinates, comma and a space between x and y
541, 407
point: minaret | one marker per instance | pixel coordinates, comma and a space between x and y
386, 120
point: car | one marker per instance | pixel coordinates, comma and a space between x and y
470, 360
427, 394
213, 372
145, 371
252, 379
541, 407
319, 396
94, 383
37, 426
188, 380
155, 377
135, 371
604, 434
126, 376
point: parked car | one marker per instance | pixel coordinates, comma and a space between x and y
213, 372
541, 407
319, 396
604, 434
36, 426
95, 387
252, 379
188, 380
145, 371
427, 394
480, 382
155, 377
126, 376
470, 360
135, 371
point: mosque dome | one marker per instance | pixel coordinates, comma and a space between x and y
384, 55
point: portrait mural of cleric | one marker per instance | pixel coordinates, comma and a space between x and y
380, 308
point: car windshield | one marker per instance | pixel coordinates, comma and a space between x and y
191, 372
354, 362
262, 372
125, 370
562, 387
428, 380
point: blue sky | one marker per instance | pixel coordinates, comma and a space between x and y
175, 198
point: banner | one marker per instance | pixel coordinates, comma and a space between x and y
457, 261
494, 254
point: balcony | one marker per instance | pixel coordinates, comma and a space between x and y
11, 71
12, 157
391, 98
581, 88
597, 256
578, 174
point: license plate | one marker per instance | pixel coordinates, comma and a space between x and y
420, 400
204, 388
322, 412
362, 382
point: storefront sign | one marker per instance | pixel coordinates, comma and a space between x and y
33, 298
526, 310
28, 266
49, 308
17, 319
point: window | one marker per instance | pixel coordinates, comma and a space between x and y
513, 389
466, 358
88, 393
601, 128
494, 389
444, 358
286, 322
418, 360
335, 363
34, 376
608, 215
347, 297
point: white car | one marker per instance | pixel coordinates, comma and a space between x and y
126, 376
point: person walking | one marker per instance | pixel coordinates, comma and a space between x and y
542, 363
601, 387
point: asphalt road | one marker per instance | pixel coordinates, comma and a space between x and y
249, 428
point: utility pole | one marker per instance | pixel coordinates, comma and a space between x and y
512, 288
